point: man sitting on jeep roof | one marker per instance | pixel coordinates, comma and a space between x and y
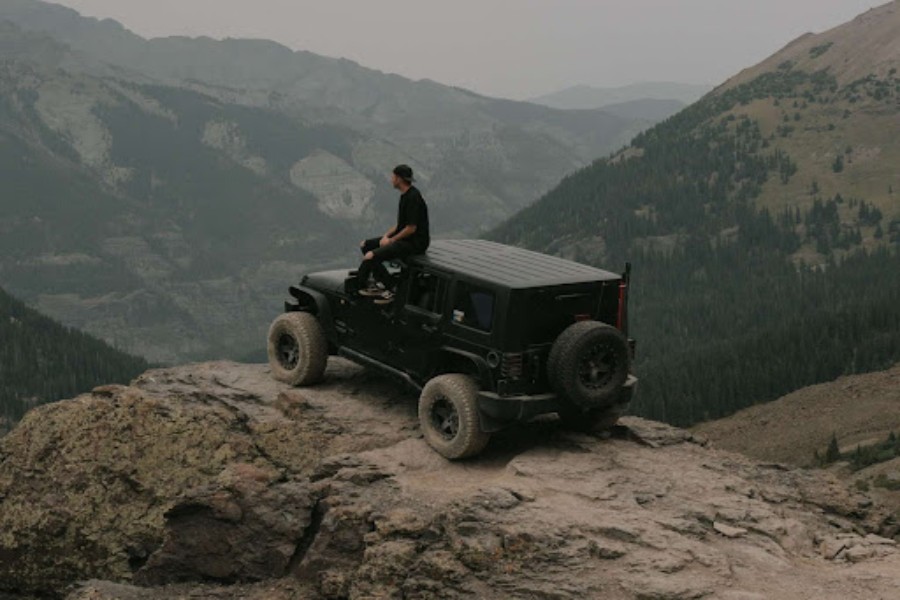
408, 237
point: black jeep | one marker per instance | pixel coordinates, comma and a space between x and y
489, 334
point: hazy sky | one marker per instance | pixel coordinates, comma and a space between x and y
511, 48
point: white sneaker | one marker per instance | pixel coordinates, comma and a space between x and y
373, 291
386, 297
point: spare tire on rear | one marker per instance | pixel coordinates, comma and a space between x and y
589, 363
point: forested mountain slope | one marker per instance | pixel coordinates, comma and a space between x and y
763, 222
482, 158
42, 361
163, 193
139, 213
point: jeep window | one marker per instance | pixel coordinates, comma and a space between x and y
427, 292
473, 306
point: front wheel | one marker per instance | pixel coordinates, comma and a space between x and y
298, 350
448, 416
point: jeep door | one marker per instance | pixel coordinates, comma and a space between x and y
422, 321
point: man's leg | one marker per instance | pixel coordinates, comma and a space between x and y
369, 245
399, 249
393, 251
366, 268
370, 268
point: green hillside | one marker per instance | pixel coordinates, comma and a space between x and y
126, 224
757, 271
162, 194
43, 361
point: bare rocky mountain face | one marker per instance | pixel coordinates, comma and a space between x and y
219, 171
214, 481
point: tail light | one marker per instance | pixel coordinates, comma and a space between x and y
620, 317
512, 366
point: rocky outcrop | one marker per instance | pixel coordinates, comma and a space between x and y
342, 191
213, 481
228, 138
243, 527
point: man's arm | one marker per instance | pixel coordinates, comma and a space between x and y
386, 238
404, 233
413, 211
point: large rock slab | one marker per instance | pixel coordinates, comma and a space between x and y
213, 481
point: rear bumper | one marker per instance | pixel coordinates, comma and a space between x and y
498, 411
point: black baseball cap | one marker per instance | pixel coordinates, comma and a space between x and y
404, 172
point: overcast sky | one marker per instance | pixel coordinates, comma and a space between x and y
511, 48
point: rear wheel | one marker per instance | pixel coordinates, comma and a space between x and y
589, 363
448, 416
298, 351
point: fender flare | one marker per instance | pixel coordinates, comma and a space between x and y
310, 300
485, 378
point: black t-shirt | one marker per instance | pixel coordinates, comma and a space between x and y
414, 211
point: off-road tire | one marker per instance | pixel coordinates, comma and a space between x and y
571, 354
298, 350
458, 394
594, 420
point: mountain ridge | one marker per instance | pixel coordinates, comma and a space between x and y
871, 34
311, 153
586, 96
762, 216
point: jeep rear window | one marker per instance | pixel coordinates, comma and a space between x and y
473, 306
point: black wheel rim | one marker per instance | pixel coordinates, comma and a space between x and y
597, 367
445, 418
288, 350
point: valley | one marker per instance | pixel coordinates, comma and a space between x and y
164, 193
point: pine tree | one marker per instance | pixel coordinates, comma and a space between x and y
833, 453
838, 165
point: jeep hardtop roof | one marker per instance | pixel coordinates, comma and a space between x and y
507, 266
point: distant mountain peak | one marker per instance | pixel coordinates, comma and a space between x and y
868, 44
584, 96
